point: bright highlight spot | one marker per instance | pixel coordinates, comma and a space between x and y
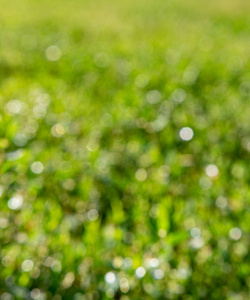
15, 202
58, 130
178, 95
53, 53
110, 293
27, 265
92, 146
196, 243
93, 215
141, 174
68, 280
35, 294
153, 97
212, 171
221, 202
110, 277
37, 167
20, 140
13, 107
154, 262
162, 233
124, 285
158, 274
235, 233
4, 223
186, 134
195, 233
6, 296
140, 272
141, 80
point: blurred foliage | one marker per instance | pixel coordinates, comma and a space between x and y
124, 149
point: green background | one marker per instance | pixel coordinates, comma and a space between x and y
117, 187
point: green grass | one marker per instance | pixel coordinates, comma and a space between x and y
96, 180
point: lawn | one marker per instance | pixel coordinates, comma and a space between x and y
124, 149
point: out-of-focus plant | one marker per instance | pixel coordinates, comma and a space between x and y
124, 148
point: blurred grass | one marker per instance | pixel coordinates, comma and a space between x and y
118, 188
